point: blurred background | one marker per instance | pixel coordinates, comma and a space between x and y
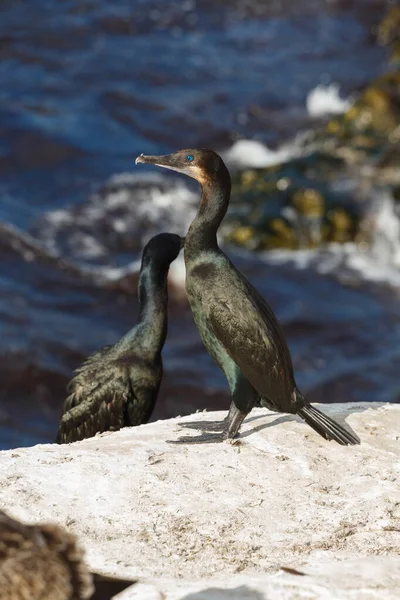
302, 99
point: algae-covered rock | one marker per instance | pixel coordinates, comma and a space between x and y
340, 226
389, 33
307, 201
373, 117
378, 110
288, 205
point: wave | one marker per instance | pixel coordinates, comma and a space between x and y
377, 263
105, 235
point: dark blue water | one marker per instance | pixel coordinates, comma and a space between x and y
86, 87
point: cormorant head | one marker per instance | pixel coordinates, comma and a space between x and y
203, 165
163, 248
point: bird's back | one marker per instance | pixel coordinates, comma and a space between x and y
110, 390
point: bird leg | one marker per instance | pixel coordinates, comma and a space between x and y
235, 420
228, 428
211, 425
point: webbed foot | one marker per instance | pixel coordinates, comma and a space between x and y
226, 429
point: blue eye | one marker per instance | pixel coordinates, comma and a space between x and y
189, 157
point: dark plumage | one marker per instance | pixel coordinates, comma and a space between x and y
237, 326
44, 562
118, 385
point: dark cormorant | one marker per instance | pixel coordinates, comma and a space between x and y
237, 326
118, 385
44, 562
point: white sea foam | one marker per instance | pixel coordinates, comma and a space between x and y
386, 246
325, 100
117, 273
250, 153
59, 216
125, 212
346, 260
378, 263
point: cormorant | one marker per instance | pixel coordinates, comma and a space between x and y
44, 562
118, 385
237, 326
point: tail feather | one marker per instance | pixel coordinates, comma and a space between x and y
326, 427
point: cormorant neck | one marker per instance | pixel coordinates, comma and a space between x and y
151, 330
202, 234
153, 303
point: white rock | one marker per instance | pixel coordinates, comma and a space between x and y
188, 518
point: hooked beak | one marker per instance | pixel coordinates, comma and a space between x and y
167, 161
150, 160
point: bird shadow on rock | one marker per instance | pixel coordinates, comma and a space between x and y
277, 421
287, 419
242, 592
218, 426
204, 438
213, 431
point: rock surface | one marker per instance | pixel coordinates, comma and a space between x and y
361, 579
226, 514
